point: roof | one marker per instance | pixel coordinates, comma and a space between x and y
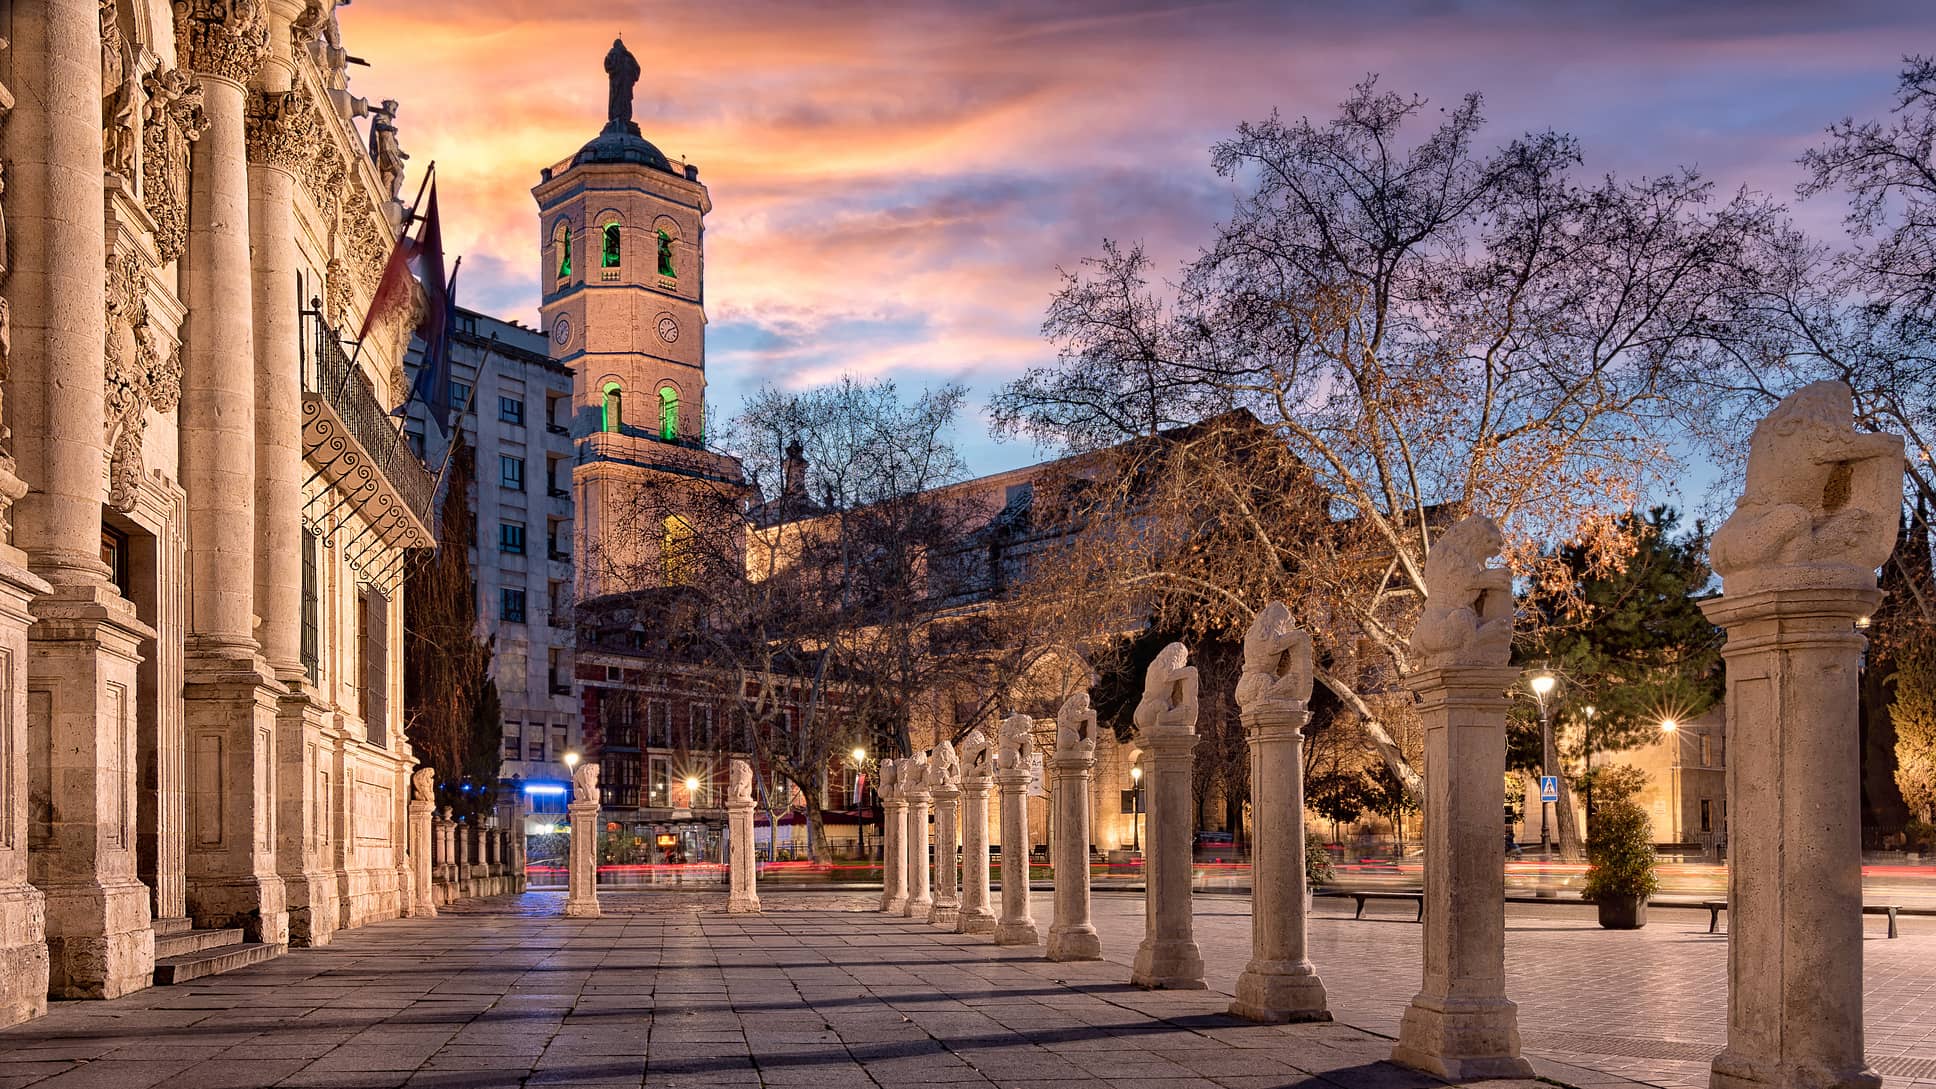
621, 142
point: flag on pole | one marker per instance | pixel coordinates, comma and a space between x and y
422, 257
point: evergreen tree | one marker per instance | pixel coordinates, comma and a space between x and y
1914, 715
451, 701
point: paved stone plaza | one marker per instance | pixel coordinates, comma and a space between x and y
668, 990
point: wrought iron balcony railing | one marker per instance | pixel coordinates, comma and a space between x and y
330, 375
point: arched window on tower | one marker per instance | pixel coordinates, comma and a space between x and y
609, 259
668, 413
614, 409
665, 256
561, 235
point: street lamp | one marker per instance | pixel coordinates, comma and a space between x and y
1587, 742
1671, 727
1542, 683
1136, 809
860, 800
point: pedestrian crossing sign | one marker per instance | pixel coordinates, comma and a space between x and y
1549, 788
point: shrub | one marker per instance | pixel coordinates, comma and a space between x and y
1620, 853
1918, 836
1317, 860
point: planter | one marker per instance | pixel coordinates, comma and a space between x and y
1623, 912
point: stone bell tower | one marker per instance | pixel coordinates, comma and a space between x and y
621, 233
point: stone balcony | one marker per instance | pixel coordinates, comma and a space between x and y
354, 443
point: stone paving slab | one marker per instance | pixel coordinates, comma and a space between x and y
667, 991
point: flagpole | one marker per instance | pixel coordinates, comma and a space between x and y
403, 235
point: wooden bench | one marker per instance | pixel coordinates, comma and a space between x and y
1716, 907
1415, 897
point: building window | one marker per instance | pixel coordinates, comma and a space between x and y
534, 749
553, 547
665, 256
701, 727
416, 443
676, 550
511, 751
460, 399
658, 724
1707, 815
557, 672
1707, 753
658, 781
510, 472
373, 654
561, 235
311, 599
613, 409
609, 259
668, 413
510, 538
510, 410
510, 606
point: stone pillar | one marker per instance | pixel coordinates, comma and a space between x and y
232, 698
581, 896
975, 917
445, 844
423, 807
894, 894
920, 899
23, 908
947, 888
1072, 936
1166, 721
518, 878
1279, 984
1016, 927
742, 865
82, 654
1461, 1026
1797, 561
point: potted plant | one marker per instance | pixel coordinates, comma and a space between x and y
1317, 866
1620, 864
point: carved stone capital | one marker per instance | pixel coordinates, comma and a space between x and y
284, 129
227, 39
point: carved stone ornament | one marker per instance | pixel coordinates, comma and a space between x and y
284, 129
1169, 693
120, 96
1468, 616
1821, 499
739, 783
1075, 727
584, 783
976, 755
423, 785
1277, 662
1015, 746
175, 119
944, 768
140, 375
339, 293
889, 786
227, 39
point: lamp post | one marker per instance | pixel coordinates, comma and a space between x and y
1135, 809
860, 799
1587, 741
1672, 728
1542, 683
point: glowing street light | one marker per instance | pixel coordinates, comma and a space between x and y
1668, 725
860, 755
1136, 805
572, 758
1542, 681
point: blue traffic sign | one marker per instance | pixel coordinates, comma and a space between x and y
1549, 788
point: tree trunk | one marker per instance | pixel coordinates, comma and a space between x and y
1570, 847
817, 837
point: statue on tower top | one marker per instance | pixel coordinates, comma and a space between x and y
623, 68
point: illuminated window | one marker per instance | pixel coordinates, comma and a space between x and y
561, 235
609, 259
614, 409
668, 413
665, 255
677, 550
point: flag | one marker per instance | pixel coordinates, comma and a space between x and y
422, 257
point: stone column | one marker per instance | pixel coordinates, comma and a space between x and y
742, 866
581, 896
444, 843
518, 878
946, 911
1279, 984
82, 654
1072, 936
920, 899
893, 824
1016, 927
975, 917
1797, 561
1166, 721
23, 908
232, 697
423, 806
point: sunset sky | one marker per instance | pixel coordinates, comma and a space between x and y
895, 184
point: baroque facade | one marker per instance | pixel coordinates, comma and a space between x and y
200, 661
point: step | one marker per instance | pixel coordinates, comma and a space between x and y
211, 962
194, 941
172, 925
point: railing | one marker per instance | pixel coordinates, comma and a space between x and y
342, 386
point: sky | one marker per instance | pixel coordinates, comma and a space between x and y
895, 185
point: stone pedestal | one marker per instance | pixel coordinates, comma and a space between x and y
1794, 854
304, 764
23, 908
1460, 1025
947, 884
1168, 957
920, 899
975, 916
421, 813
1279, 984
894, 894
742, 865
581, 896
1017, 926
231, 727
1072, 936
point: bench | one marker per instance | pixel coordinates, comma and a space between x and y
1716, 907
1415, 897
